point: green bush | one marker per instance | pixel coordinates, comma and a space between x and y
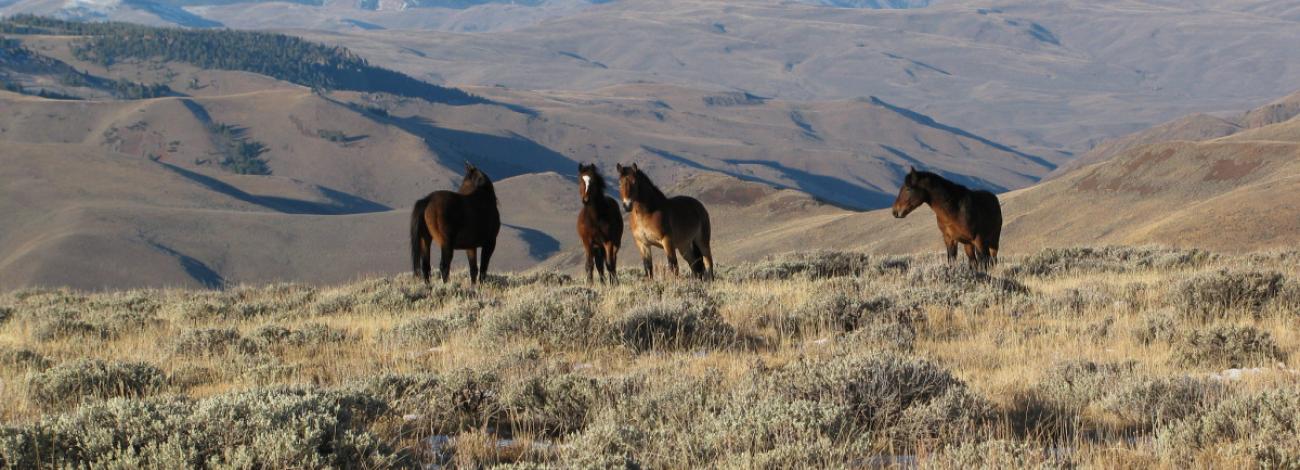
72, 382
1227, 346
276, 428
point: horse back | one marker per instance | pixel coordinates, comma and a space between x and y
688, 214
456, 219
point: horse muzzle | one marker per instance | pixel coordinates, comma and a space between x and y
627, 206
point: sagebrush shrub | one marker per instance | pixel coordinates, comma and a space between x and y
997, 454
672, 324
1263, 427
550, 405
1159, 326
1149, 402
1219, 294
311, 334
212, 342
560, 318
1075, 384
423, 332
1227, 346
22, 359
442, 403
70, 328
72, 382
805, 265
275, 428
1108, 259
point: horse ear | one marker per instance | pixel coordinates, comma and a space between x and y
619, 167
911, 170
469, 166
634, 168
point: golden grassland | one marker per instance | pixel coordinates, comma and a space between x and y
1113, 356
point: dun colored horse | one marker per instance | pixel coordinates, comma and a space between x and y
467, 219
677, 224
600, 225
972, 218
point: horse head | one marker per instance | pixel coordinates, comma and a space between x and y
629, 184
590, 183
911, 195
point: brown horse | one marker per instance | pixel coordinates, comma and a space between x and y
972, 218
678, 224
464, 220
600, 225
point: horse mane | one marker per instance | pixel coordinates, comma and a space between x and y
648, 187
943, 184
468, 187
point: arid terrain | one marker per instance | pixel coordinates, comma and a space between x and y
1110, 357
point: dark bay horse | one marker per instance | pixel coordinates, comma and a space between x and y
677, 224
972, 218
600, 225
467, 219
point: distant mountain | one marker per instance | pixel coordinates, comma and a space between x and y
875, 4
1194, 127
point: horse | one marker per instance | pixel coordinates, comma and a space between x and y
677, 224
467, 219
600, 224
972, 218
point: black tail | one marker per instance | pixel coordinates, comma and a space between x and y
419, 233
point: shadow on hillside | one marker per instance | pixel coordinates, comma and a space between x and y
340, 203
540, 245
845, 194
500, 156
196, 269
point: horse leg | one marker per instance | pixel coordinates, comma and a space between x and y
472, 254
426, 252
647, 262
970, 254
951, 245
444, 263
488, 247
706, 253
671, 252
611, 261
981, 253
993, 254
591, 259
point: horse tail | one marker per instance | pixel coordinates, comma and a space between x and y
419, 234
706, 233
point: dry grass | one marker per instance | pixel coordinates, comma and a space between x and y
1111, 357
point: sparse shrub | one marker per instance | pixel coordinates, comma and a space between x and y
22, 359
1219, 294
561, 318
212, 342
550, 405
1075, 384
672, 324
1147, 403
1077, 300
875, 390
5, 314
1227, 346
424, 332
805, 265
837, 312
65, 328
312, 334
997, 454
1262, 427
544, 278
72, 382
1158, 326
443, 404
1052, 262
277, 428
